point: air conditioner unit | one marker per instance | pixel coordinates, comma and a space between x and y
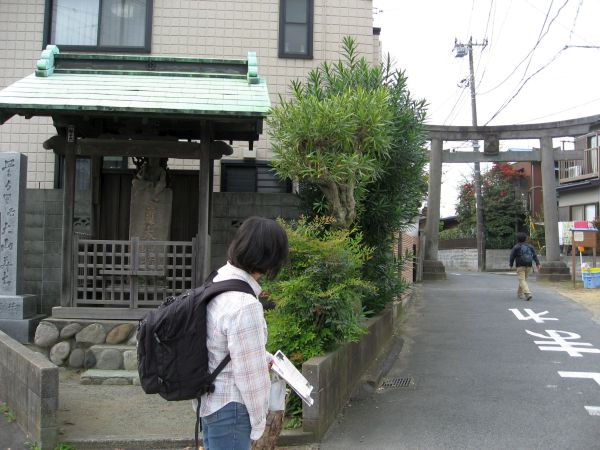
573, 171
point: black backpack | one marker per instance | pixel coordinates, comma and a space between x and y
526, 255
171, 349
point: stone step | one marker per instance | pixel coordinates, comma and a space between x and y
112, 377
120, 347
114, 357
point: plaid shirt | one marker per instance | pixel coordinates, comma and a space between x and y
236, 325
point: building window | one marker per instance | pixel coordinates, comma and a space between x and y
255, 176
114, 162
99, 25
83, 173
295, 28
587, 212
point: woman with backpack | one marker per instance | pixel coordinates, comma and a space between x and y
234, 414
523, 255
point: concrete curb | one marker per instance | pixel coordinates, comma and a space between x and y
288, 438
372, 378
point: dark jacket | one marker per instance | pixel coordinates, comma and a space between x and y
515, 254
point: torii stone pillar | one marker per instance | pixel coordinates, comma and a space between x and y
433, 269
553, 268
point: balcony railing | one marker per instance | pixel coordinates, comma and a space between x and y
575, 170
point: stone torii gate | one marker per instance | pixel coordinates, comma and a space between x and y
553, 268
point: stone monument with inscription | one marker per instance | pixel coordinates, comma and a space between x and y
18, 311
151, 202
150, 220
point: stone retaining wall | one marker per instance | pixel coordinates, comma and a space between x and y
29, 385
336, 375
100, 344
459, 259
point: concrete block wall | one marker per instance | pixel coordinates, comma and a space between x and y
208, 28
29, 385
43, 234
231, 208
496, 259
336, 375
466, 260
460, 259
43, 246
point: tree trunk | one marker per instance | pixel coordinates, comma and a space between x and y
268, 440
341, 200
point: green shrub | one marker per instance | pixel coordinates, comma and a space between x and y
319, 294
384, 271
457, 233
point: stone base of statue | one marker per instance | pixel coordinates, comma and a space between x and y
433, 270
150, 215
554, 271
18, 316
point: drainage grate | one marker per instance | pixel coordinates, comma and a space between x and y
397, 383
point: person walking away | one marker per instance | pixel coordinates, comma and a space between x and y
523, 256
235, 414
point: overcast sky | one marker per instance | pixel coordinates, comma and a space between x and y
534, 68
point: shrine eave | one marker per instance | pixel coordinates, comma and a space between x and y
122, 86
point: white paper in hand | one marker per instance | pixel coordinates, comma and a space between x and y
286, 370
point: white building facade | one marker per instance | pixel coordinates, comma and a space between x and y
290, 37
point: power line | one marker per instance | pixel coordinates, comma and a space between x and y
561, 111
494, 42
583, 46
545, 33
530, 54
507, 102
575, 19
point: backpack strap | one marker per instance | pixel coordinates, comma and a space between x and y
213, 289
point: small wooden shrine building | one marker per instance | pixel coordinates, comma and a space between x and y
136, 106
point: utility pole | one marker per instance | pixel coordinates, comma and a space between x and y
462, 50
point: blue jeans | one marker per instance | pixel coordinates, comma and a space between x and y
227, 429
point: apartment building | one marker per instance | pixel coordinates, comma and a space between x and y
290, 37
579, 182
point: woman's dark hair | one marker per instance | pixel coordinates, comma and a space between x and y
521, 237
260, 245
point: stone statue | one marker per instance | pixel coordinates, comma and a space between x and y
151, 201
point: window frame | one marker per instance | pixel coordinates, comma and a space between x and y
146, 48
309, 32
596, 206
286, 186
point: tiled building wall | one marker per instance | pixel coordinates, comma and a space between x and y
21, 27
217, 28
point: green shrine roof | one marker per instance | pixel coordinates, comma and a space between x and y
138, 84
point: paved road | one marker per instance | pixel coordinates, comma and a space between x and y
478, 380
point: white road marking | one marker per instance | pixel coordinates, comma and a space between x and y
558, 342
591, 375
536, 317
